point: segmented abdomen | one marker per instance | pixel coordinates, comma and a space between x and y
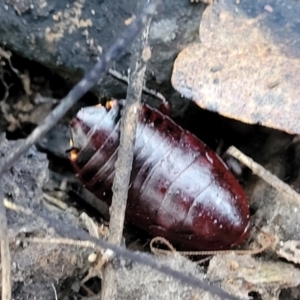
179, 188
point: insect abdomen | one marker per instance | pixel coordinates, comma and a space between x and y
179, 188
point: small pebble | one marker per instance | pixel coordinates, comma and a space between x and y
268, 8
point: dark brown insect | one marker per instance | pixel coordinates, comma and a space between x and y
179, 188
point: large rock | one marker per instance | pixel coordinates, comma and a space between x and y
247, 64
69, 36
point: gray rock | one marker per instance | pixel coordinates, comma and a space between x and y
69, 36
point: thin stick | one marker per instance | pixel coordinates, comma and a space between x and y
5, 254
57, 202
73, 234
124, 161
148, 91
54, 289
267, 176
127, 139
62, 241
88, 81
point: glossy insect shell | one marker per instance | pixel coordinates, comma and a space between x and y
179, 188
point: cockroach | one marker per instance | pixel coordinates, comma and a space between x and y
179, 188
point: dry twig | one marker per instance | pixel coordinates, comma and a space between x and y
124, 161
54, 289
5, 254
267, 176
148, 91
55, 201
